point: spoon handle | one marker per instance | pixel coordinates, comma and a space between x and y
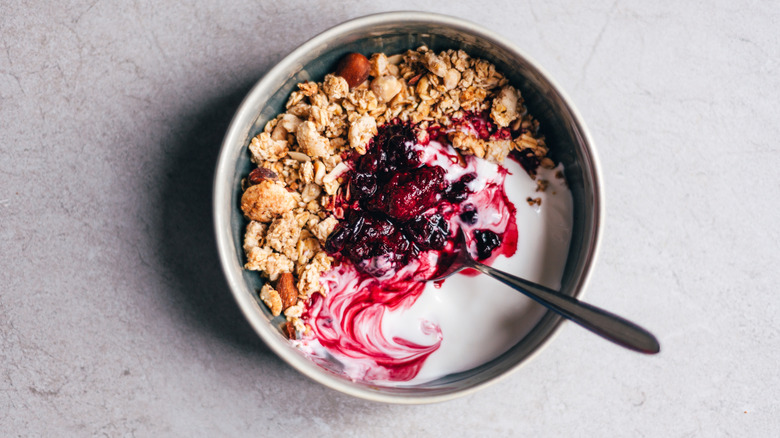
599, 321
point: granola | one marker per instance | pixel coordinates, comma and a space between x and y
291, 202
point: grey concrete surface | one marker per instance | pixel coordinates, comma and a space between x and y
114, 316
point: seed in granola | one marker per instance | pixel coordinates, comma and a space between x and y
354, 68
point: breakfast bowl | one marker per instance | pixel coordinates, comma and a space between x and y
569, 143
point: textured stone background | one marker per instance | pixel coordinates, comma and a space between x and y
114, 316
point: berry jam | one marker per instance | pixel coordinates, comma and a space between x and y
400, 200
395, 202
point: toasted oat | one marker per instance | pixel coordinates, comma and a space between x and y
253, 238
504, 110
264, 201
360, 132
310, 192
271, 263
307, 247
335, 87
309, 278
533, 201
468, 143
311, 141
323, 229
547, 163
497, 150
271, 298
295, 311
264, 148
284, 232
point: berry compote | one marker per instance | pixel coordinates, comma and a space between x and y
395, 203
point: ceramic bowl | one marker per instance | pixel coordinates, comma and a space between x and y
393, 33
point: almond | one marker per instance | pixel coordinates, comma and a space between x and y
261, 173
288, 328
287, 290
354, 68
461, 160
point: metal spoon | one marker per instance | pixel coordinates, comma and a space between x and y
603, 323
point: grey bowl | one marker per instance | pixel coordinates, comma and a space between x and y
392, 33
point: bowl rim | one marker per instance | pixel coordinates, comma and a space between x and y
225, 170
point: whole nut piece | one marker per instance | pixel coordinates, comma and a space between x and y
354, 68
260, 174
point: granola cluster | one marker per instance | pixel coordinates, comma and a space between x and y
290, 198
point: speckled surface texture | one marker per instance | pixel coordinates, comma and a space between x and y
115, 319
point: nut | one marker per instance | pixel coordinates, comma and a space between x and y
288, 328
260, 174
287, 290
385, 88
354, 68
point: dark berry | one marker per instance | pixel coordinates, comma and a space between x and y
528, 159
403, 152
373, 160
363, 185
408, 194
459, 190
428, 232
337, 239
469, 215
487, 241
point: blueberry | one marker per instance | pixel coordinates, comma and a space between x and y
487, 241
363, 185
469, 216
